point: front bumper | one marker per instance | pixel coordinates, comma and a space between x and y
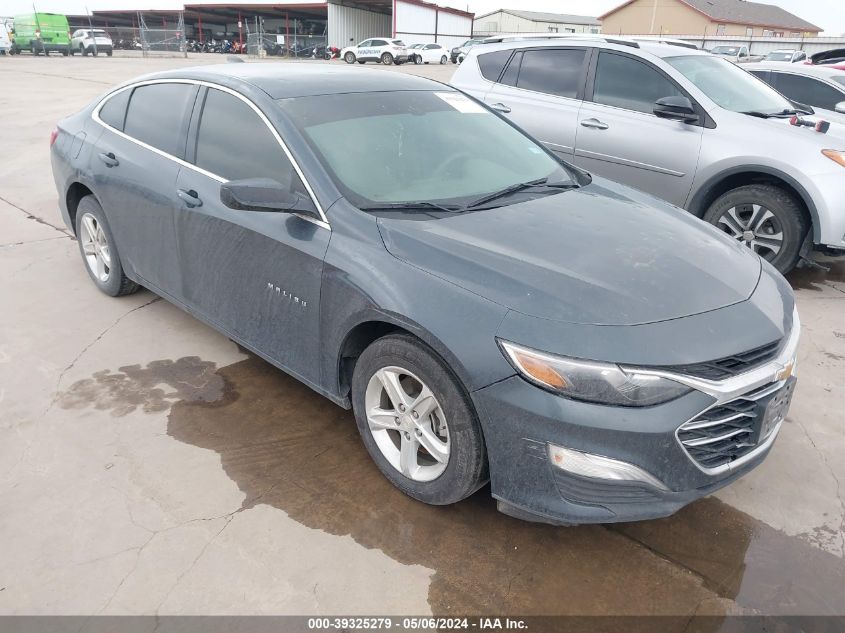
521, 422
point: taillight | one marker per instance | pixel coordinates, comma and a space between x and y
53, 135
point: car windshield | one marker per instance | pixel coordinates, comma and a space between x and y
725, 50
778, 57
391, 148
729, 86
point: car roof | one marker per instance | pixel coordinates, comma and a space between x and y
657, 49
286, 80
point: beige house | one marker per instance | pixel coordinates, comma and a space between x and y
704, 17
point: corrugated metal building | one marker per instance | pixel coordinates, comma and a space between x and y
334, 22
517, 21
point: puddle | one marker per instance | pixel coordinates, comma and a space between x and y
289, 448
814, 278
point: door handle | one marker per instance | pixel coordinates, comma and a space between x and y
500, 107
109, 160
190, 197
595, 124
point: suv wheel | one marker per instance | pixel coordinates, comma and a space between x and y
387, 59
98, 250
349, 58
765, 218
417, 422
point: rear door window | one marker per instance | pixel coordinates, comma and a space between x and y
156, 113
492, 64
113, 111
512, 72
552, 71
624, 82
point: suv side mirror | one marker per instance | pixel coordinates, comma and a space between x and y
676, 108
264, 194
840, 107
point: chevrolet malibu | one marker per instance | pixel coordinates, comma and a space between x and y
503, 317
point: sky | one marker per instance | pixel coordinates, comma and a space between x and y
828, 14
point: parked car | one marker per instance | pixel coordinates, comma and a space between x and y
787, 55
431, 53
385, 50
41, 33
458, 53
835, 58
84, 41
453, 310
822, 87
737, 54
5, 40
683, 125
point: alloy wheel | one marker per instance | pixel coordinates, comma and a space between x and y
95, 247
407, 423
755, 226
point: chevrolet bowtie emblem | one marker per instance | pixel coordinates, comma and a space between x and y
786, 372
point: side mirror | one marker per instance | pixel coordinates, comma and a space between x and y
676, 108
840, 107
264, 194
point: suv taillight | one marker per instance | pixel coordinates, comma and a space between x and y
53, 135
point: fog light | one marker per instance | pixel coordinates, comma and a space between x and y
598, 467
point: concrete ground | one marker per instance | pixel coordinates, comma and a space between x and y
148, 465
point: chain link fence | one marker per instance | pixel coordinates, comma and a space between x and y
163, 42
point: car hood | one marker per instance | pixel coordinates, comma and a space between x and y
603, 254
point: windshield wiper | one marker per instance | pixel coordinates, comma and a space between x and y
412, 206
770, 115
522, 186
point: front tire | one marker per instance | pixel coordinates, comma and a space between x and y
417, 60
443, 60
387, 59
98, 250
417, 421
349, 58
765, 218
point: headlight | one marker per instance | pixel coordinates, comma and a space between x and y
604, 383
835, 156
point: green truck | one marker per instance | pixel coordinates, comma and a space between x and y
41, 33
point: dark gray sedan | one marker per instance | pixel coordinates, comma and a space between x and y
501, 316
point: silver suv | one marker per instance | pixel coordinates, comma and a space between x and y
683, 125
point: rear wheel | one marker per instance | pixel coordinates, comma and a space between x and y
443, 60
361, 61
96, 244
109, 53
387, 59
765, 218
417, 422
65, 52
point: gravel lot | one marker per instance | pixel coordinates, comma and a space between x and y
149, 465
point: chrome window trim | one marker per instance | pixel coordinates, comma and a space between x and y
95, 115
734, 387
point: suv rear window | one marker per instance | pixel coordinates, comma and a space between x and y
492, 64
553, 71
155, 115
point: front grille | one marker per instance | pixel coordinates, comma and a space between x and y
727, 431
730, 365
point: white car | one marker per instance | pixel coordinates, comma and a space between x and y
787, 55
5, 41
821, 87
376, 49
431, 53
94, 41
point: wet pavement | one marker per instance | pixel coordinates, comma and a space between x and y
149, 465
